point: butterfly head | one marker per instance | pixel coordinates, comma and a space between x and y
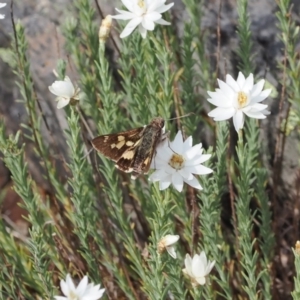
158, 123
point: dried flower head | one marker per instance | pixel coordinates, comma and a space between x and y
105, 28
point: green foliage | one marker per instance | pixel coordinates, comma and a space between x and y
290, 37
245, 48
296, 292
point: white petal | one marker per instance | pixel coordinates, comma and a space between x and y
153, 16
2, 5
153, 5
169, 170
171, 251
248, 85
266, 112
219, 99
177, 144
148, 24
165, 183
131, 25
158, 175
194, 183
93, 294
199, 170
203, 258
70, 284
238, 120
226, 89
99, 294
162, 22
82, 285
255, 106
210, 266
128, 4
198, 160
65, 287
241, 80
164, 153
143, 31
62, 102
2, 16
164, 8
188, 265
192, 152
198, 266
60, 298
221, 114
62, 88
177, 181
262, 96
232, 83
186, 174
158, 163
124, 15
255, 114
187, 144
257, 88
170, 239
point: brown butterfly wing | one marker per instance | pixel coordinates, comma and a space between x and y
120, 147
132, 150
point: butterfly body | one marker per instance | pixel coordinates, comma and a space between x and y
132, 150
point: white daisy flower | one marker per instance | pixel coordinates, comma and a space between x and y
65, 92
236, 98
142, 13
197, 268
83, 291
167, 243
2, 5
176, 162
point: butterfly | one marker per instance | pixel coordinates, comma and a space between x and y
132, 150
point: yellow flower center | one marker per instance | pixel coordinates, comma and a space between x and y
176, 161
141, 4
72, 296
242, 99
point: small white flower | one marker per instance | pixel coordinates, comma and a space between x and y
198, 268
65, 92
142, 13
176, 162
2, 5
83, 291
167, 243
236, 98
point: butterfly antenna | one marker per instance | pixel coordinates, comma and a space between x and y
186, 115
88, 153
